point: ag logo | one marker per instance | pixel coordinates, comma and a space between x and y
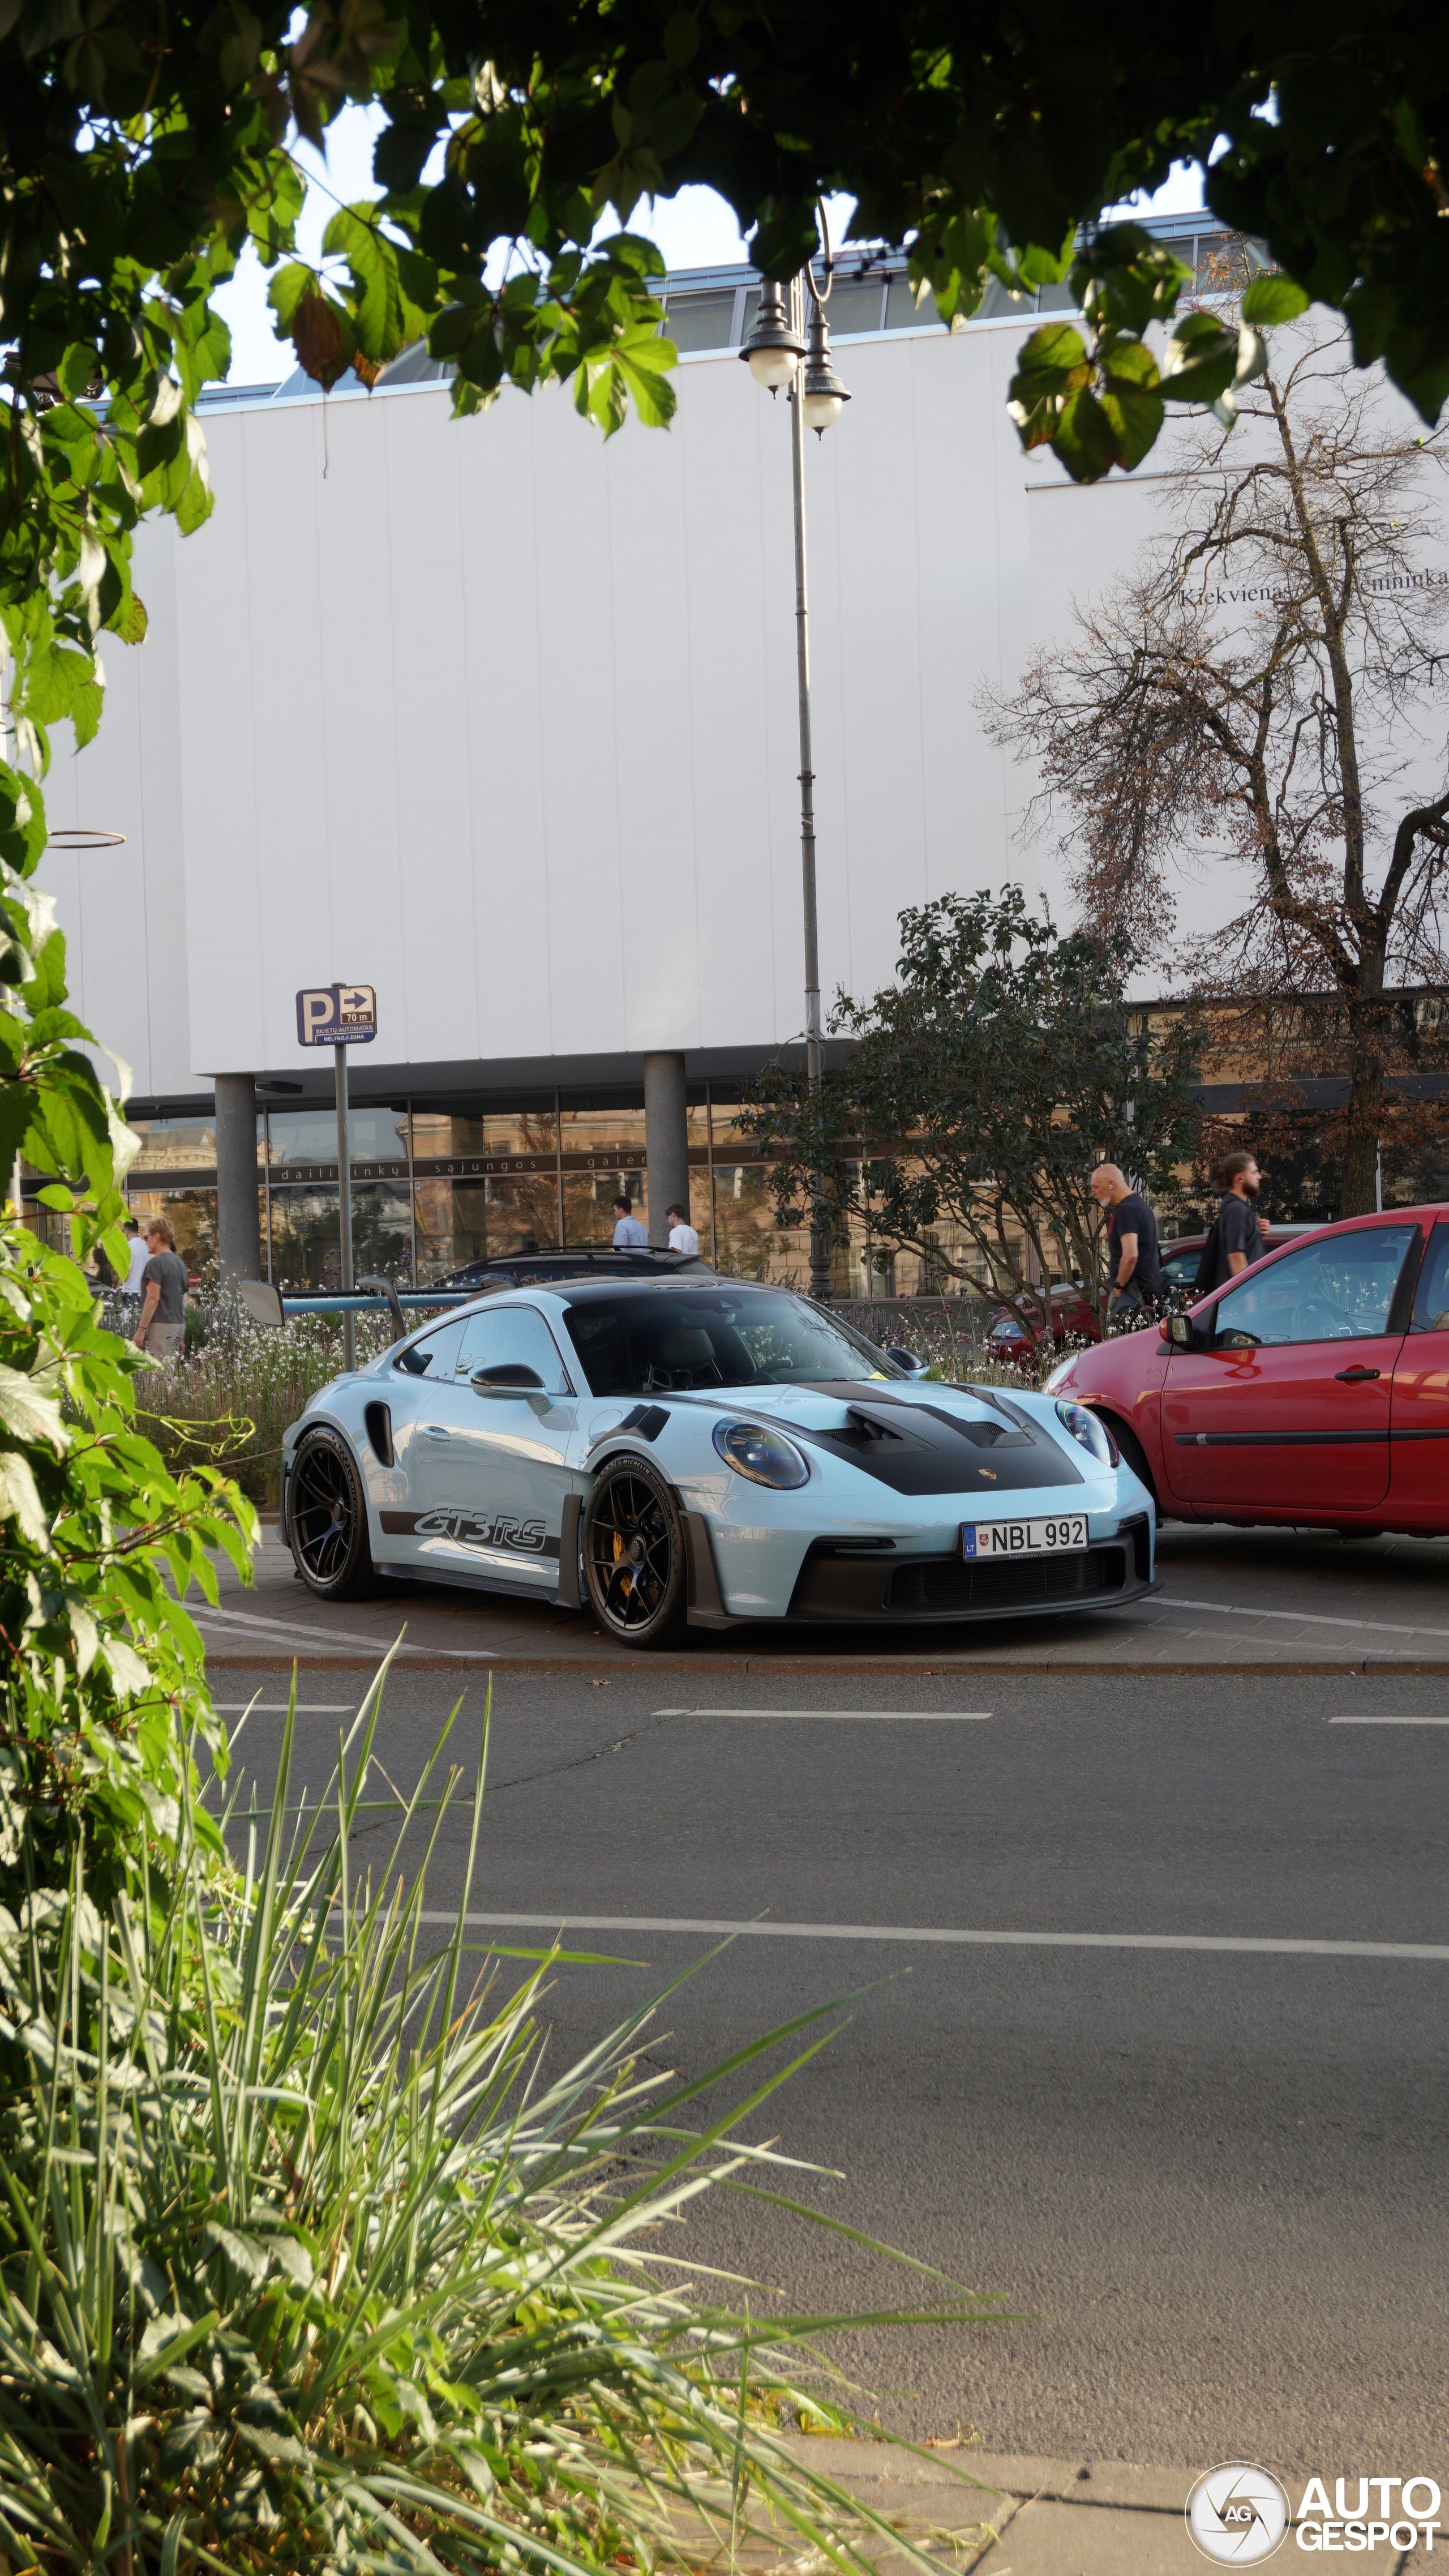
1237, 2516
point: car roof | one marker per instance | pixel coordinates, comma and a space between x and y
700, 1277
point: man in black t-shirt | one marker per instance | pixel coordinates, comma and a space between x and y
1239, 1229
1134, 1262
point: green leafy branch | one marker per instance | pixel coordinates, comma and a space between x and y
1101, 401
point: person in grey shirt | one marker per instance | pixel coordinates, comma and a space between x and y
161, 1330
628, 1230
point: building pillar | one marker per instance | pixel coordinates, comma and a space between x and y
238, 1225
666, 1140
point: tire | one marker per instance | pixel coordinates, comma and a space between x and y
327, 1519
1135, 1457
633, 1555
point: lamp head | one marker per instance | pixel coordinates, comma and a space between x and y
774, 348
824, 397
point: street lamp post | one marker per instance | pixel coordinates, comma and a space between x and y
789, 350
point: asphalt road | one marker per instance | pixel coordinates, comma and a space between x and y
1214, 2178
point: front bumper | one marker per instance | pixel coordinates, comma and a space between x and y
840, 1581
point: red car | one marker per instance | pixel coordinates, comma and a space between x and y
1313, 1388
1017, 1339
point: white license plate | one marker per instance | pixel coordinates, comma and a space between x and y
1023, 1538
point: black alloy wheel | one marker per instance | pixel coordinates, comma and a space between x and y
633, 1549
327, 1519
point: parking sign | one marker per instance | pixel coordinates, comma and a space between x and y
337, 1015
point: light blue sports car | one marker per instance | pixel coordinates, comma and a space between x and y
702, 1451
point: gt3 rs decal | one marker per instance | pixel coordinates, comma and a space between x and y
473, 1529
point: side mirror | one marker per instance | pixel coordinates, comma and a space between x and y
910, 1361
262, 1301
1182, 1333
509, 1378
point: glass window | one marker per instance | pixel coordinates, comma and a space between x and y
433, 1356
173, 1145
376, 1133
855, 305
192, 1216
1180, 1269
903, 313
1338, 1289
1431, 1296
672, 1340
522, 1125
700, 321
512, 1337
307, 1235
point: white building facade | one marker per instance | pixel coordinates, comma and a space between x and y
501, 720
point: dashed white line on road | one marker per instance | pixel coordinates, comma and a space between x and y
1389, 1721
698, 1924
853, 1716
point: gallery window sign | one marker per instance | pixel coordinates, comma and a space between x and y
337, 1015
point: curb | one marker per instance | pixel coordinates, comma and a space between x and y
343, 1659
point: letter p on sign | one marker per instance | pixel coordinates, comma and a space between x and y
317, 1017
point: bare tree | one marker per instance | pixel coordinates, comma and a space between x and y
1263, 690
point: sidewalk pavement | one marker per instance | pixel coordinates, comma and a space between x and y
1037, 2517
1025, 2517
1253, 1601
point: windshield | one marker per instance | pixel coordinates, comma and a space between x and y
656, 1341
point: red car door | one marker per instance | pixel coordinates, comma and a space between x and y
1288, 1406
1420, 1444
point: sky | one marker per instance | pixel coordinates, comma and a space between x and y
695, 229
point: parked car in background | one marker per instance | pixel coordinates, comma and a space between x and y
1018, 1339
1311, 1389
1181, 1257
532, 1269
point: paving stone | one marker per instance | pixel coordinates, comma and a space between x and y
1049, 2539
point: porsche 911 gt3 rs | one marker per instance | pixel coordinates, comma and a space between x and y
703, 1451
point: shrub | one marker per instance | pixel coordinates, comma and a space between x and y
102, 1686
309, 2265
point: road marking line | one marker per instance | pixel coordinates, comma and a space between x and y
1297, 1618
985, 1940
1389, 1721
339, 1637
839, 1716
278, 1707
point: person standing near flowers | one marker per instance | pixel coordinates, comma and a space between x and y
1134, 1267
161, 1330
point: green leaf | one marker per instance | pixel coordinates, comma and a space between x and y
1050, 365
1135, 418
1272, 297
1200, 360
1086, 437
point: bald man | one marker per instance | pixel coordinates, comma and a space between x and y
1134, 1262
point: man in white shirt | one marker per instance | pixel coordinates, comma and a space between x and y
682, 1236
627, 1230
140, 1255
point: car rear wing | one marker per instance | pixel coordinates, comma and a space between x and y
270, 1306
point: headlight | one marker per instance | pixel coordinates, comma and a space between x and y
761, 1455
1084, 1425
